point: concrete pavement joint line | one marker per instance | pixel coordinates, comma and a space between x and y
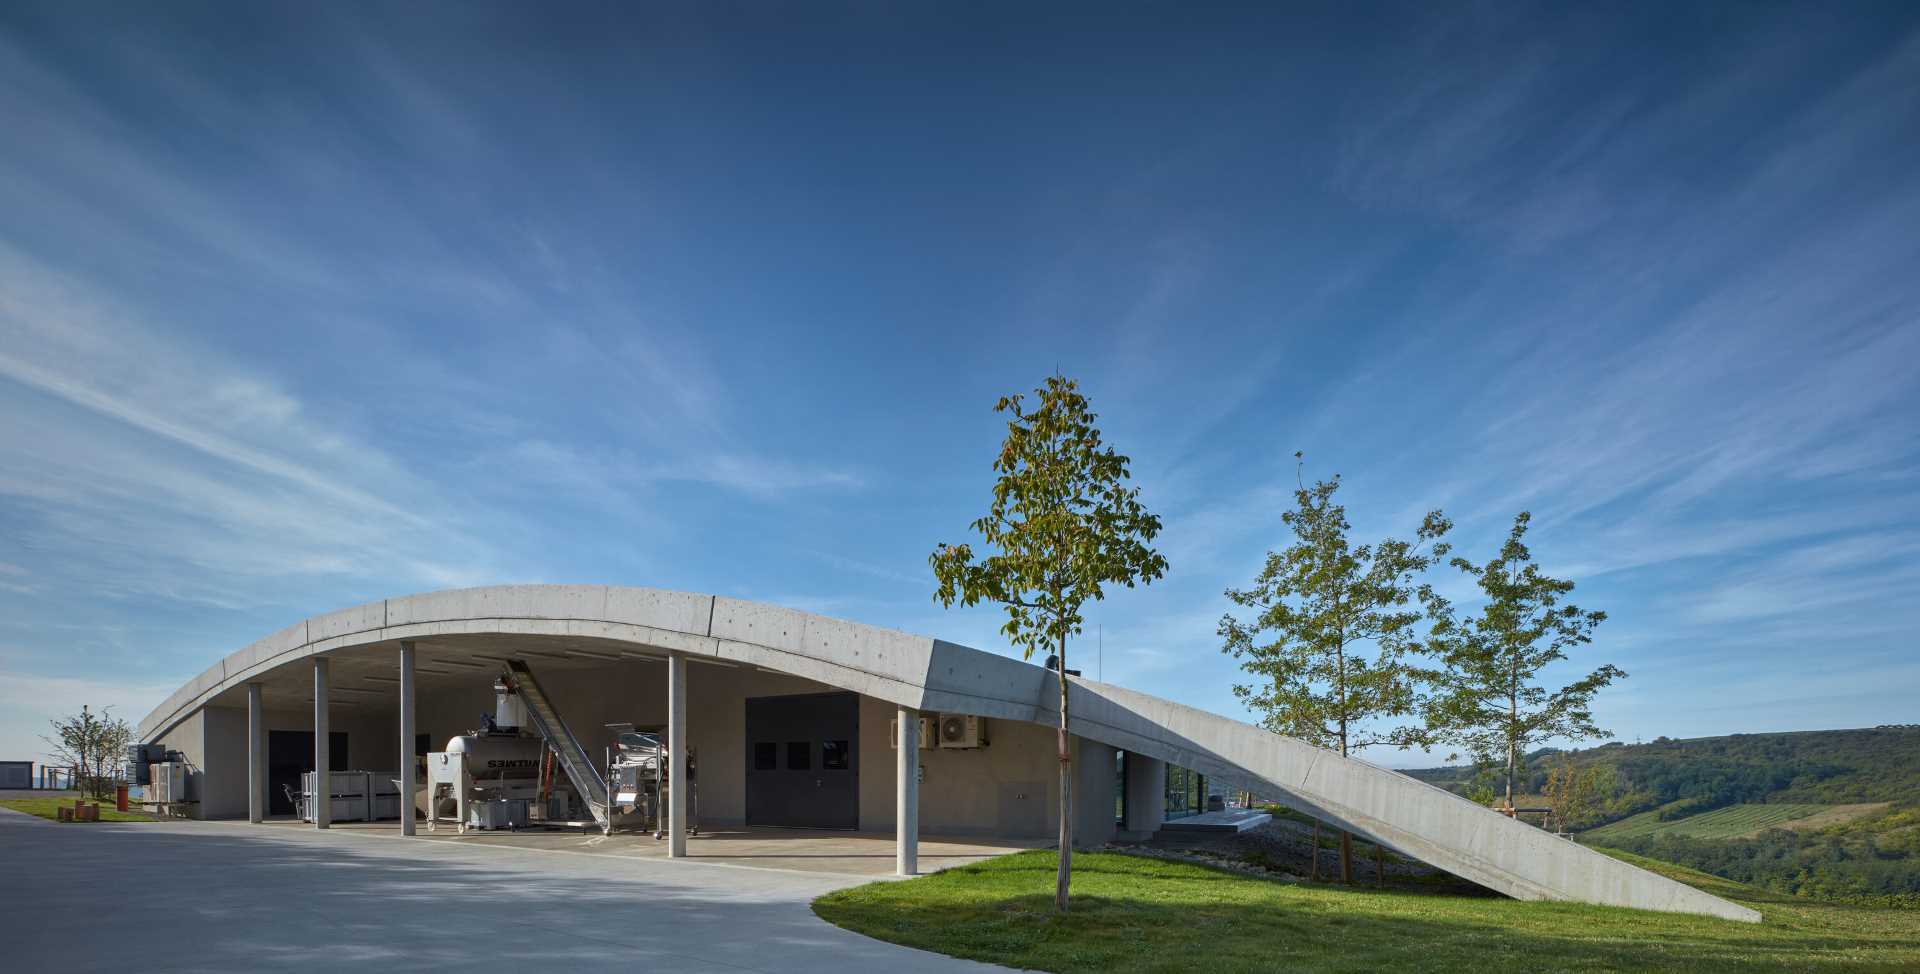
458, 845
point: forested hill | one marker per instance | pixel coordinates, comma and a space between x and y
1830, 814
1875, 764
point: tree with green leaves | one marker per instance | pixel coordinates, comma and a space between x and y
92, 744
1487, 697
1319, 605
1575, 792
1063, 524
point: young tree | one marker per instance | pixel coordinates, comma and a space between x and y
1480, 789
1487, 698
1064, 525
1320, 603
1573, 792
93, 744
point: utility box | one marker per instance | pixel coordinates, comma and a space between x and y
169, 781
139, 756
964, 731
929, 733
16, 774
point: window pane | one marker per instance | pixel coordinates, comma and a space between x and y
833, 755
1179, 792
799, 755
763, 756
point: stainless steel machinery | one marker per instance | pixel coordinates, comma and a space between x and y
525, 757
491, 777
639, 780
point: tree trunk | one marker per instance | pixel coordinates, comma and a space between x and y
1346, 838
1314, 873
1513, 746
1066, 793
1513, 736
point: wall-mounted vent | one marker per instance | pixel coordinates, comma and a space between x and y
929, 733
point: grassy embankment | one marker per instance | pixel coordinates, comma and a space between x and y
44, 808
1138, 914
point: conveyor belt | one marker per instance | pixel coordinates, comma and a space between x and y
573, 758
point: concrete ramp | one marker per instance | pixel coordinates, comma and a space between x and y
1427, 823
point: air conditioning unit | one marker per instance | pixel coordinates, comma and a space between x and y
929, 733
963, 730
169, 781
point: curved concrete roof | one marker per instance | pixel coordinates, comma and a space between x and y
1418, 819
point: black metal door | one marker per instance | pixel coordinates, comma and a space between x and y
290, 755
803, 762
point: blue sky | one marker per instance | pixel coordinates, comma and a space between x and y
300, 314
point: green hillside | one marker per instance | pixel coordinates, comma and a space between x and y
1832, 814
1832, 767
1721, 823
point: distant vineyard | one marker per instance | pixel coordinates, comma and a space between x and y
1721, 823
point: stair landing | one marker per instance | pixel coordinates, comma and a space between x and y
1231, 820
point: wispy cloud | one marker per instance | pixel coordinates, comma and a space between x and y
29, 701
190, 461
608, 471
282, 330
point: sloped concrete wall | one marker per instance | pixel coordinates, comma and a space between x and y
1427, 823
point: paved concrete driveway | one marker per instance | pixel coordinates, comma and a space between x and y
197, 896
851, 855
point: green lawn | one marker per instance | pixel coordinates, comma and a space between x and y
1138, 914
44, 808
1721, 823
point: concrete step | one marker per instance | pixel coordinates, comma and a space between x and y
1231, 820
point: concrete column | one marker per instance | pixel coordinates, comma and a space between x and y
1146, 793
256, 756
407, 784
677, 756
1093, 791
322, 754
906, 808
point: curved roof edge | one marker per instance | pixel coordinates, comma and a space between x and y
923, 673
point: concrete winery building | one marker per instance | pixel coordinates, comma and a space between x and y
500, 707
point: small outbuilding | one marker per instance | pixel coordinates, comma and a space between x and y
16, 774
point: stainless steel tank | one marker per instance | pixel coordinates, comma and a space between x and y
498, 755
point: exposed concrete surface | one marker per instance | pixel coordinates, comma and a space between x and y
921, 673
855, 855
1428, 823
216, 897
1231, 820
